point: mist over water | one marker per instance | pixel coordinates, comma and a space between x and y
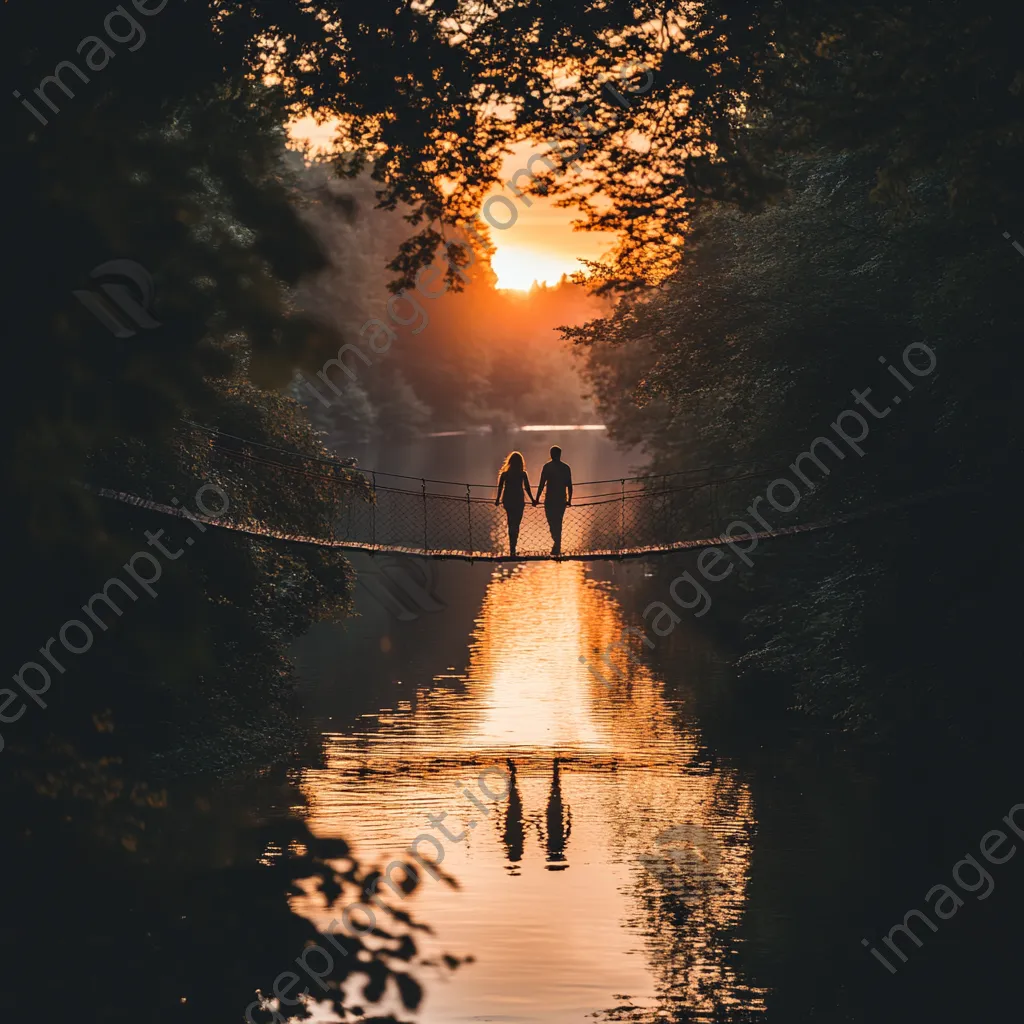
476, 456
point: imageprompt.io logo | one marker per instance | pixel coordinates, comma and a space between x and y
404, 586
122, 310
685, 853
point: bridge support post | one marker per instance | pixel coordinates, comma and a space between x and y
469, 517
423, 488
622, 516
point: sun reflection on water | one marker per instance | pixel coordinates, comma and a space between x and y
613, 875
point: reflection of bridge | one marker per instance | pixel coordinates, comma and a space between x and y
383, 512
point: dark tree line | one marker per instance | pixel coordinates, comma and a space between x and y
895, 132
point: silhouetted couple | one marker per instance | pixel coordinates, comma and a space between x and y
514, 488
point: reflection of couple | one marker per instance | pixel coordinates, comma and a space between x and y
555, 830
514, 487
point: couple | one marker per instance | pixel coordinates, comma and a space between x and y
555, 476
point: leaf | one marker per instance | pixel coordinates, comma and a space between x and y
410, 990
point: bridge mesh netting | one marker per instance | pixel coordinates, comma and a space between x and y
628, 517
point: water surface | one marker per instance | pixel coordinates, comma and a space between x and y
608, 809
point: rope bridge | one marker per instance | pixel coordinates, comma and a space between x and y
382, 512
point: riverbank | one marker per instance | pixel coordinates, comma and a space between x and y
893, 630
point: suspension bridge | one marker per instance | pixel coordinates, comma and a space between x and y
378, 512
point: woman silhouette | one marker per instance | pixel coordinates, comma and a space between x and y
514, 833
511, 482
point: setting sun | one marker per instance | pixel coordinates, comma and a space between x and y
518, 269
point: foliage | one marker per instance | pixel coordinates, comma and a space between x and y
884, 238
187, 909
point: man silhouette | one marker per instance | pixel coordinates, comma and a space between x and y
559, 823
556, 476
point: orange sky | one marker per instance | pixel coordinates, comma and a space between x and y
539, 246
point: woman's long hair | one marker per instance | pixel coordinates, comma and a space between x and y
515, 461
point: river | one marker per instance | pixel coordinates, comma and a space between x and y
568, 867
660, 853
